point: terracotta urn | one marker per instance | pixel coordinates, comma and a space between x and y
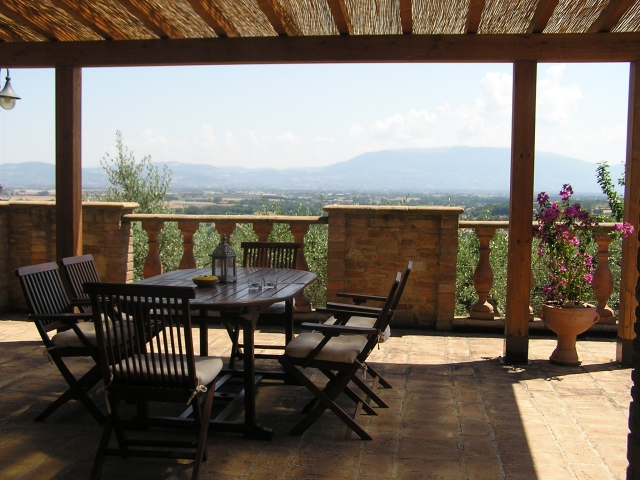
568, 323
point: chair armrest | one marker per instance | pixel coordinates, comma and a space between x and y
81, 302
66, 318
337, 330
346, 307
359, 298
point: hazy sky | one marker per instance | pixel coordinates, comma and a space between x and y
313, 115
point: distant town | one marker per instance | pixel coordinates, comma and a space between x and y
303, 202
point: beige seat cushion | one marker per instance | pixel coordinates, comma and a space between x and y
207, 368
342, 349
365, 322
68, 338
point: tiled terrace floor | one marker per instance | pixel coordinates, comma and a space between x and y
456, 413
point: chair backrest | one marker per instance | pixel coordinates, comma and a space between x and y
270, 254
403, 283
78, 270
383, 319
43, 289
144, 334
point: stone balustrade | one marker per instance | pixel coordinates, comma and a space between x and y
224, 225
483, 275
366, 245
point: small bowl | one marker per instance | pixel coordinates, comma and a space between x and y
205, 281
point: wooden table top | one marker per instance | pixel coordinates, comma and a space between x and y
223, 296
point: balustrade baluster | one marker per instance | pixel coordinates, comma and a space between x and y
188, 229
152, 264
303, 304
603, 281
263, 230
483, 276
225, 228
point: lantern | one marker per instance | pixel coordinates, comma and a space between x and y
223, 262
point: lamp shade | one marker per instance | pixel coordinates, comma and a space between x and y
7, 96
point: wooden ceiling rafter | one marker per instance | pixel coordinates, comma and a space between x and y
341, 16
25, 22
474, 15
406, 16
213, 16
272, 11
542, 15
79, 15
610, 15
10, 35
145, 19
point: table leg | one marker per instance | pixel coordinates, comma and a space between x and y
288, 323
251, 429
204, 335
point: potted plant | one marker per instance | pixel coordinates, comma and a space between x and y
566, 231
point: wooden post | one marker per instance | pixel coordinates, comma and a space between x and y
629, 273
516, 343
68, 162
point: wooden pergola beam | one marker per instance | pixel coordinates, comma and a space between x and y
542, 15
601, 47
278, 23
610, 16
68, 162
406, 16
341, 16
25, 22
523, 127
474, 15
79, 14
149, 21
214, 17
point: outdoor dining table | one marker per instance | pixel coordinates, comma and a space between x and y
240, 305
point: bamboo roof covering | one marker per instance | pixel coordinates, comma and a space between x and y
70, 31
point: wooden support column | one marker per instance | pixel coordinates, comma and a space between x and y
523, 126
629, 273
68, 162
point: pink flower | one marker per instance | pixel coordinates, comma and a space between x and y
625, 228
542, 198
588, 277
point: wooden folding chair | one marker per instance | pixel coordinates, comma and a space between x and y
338, 351
266, 255
141, 363
78, 270
51, 311
360, 315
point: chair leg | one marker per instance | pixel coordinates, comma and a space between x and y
375, 374
234, 334
360, 403
201, 447
326, 399
370, 392
102, 447
77, 391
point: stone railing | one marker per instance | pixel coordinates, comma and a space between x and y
263, 225
483, 275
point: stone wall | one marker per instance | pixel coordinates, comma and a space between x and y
369, 244
28, 237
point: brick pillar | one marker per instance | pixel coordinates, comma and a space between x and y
28, 237
368, 245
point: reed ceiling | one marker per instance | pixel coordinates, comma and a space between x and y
29, 22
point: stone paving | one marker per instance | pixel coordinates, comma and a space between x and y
455, 413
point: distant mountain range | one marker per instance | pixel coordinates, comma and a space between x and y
435, 170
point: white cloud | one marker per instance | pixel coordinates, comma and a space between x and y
555, 102
150, 138
356, 130
289, 137
229, 140
413, 125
